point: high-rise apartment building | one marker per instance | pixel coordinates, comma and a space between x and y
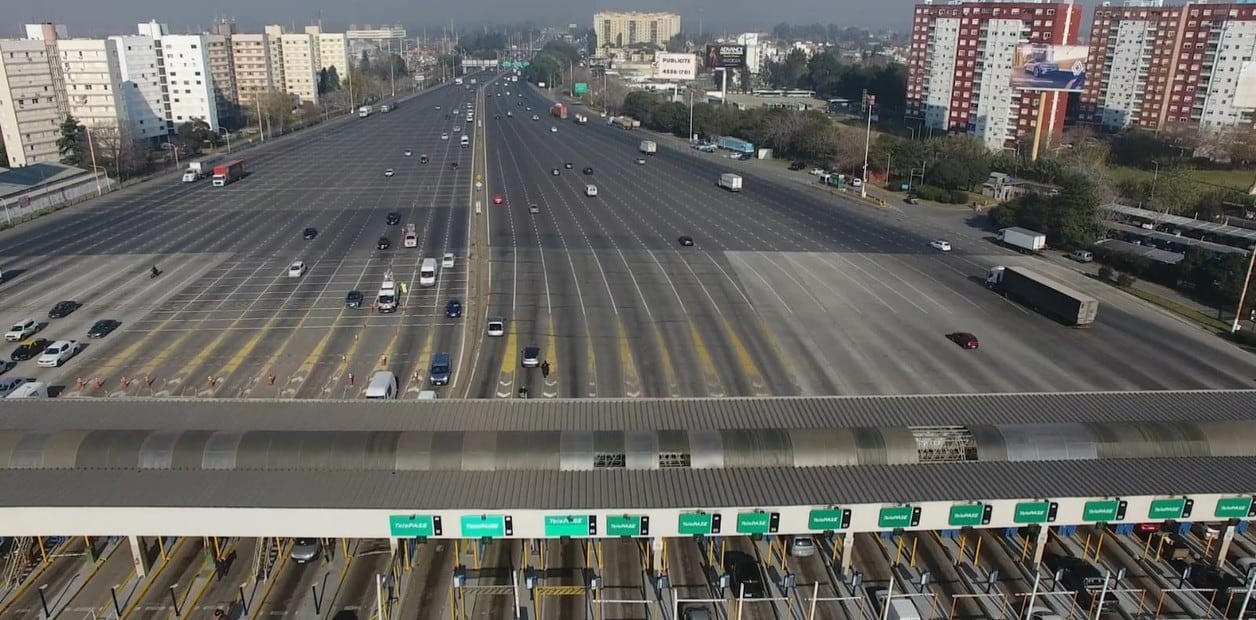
250, 57
222, 76
617, 29
960, 68
333, 50
31, 106
142, 85
189, 82
274, 34
1171, 67
92, 77
299, 57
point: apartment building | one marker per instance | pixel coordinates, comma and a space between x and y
960, 68
92, 78
299, 59
616, 29
1163, 67
222, 76
332, 49
139, 64
251, 62
189, 83
31, 108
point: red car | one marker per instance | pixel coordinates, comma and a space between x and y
498, 199
964, 340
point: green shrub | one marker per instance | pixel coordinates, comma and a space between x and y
1126, 280
1105, 273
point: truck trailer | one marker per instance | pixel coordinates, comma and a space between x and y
559, 110
228, 172
624, 122
730, 182
1023, 239
1044, 295
648, 147
735, 145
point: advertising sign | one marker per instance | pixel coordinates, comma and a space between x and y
1041, 66
726, 56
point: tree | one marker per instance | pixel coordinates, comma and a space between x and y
72, 144
364, 63
333, 79
118, 153
195, 134
745, 80
322, 81
4, 154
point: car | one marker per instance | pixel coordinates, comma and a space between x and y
437, 107
555, 172
747, 578
1081, 256
510, 115
444, 136
553, 129
685, 240
535, 117
802, 546
383, 243
409, 152
588, 170
940, 245
569, 165
964, 340
531, 357
457, 129
21, 329
62, 309
453, 164
496, 327
798, 165
103, 328
353, 299
534, 209
693, 611
447, 261
528, 108
815, 172
441, 369
497, 199
423, 159
309, 233
58, 353
855, 182
297, 269
388, 172
306, 550
640, 161
29, 349
453, 309
497, 116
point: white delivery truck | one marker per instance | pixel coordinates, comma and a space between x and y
730, 182
1023, 239
364, 111
648, 147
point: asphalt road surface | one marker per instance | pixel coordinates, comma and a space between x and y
787, 291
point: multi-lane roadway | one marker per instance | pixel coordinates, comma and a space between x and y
786, 291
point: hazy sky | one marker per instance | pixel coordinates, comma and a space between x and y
99, 17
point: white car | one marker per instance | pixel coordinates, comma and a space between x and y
535, 117
58, 353
855, 182
457, 129
940, 245
447, 261
444, 136
815, 172
409, 152
553, 130
388, 172
640, 161
297, 269
496, 327
21, 330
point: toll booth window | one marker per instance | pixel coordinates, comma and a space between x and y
608, 461
674, 459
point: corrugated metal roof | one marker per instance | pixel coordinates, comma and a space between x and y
628, 489
627, 414
1184, 222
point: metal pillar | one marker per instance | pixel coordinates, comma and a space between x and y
1041, 544
138, 557
848, 552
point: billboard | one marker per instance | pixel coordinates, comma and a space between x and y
675, 67
726, 56
1042, 66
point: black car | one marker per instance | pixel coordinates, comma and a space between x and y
588, 170
103, 328
747, 579
353, 299
422, 159
310, 233
394, 218
453, 309
384, 243
798, 165
63, 309
686, 240
453, 164
30, 349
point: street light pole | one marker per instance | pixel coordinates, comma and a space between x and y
1247, 282
869, 100
690, 116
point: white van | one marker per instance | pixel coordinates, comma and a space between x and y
427, 272
590, 190
8, 385
464, 141
383, 385
427, 395
30, 389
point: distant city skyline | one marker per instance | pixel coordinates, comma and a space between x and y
92, 18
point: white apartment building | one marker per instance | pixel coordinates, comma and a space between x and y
274, 40
616, 29
92, 76
250, 57
189, 85
300, 66
332, 50
30, 108
754, 51
141, 85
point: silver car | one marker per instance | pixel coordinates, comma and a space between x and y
802, 546
306, 550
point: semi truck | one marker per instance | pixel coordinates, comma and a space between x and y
730, 182
559, 110
198, 170
228, 172
1023, 239
364, 111
648, 147
384, 109
1044, 295
734, 144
